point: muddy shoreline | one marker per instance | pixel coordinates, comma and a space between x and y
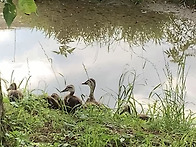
179, 11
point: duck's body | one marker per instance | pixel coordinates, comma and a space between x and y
13, 93
92, 84
128, 109
92, 101
54, 101
143, 116
71, 101
57, 97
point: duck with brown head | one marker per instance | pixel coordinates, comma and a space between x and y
92, 84
57, 97
13, 93
54, 101
71, 101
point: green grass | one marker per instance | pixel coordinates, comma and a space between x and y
31, 123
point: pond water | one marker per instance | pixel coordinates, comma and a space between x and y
71, 41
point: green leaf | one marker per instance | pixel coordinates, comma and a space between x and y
27, 6
9, 12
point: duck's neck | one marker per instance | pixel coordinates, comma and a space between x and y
71, 93
91, 95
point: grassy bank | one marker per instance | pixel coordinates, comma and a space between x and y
31, 123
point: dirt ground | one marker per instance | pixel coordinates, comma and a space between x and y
180, 11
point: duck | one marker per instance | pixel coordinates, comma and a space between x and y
71, 101
92, 84
13, 93
54, 101
127, 108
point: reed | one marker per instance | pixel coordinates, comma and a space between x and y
170, 105
125, 95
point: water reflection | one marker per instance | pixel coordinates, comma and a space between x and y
92, 23
75, 21
107, 41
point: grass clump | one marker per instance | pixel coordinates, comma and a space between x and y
171, 107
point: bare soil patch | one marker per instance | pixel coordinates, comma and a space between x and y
180, 11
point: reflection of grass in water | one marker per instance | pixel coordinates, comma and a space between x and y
129, 24
105, 24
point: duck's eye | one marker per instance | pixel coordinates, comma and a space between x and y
70, 87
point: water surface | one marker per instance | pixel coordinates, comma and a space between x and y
67, 39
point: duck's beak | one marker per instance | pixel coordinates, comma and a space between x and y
9, 89
84, 83
63, 90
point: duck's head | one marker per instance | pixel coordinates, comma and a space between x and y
55, 96
12, 87
126, 108
69, 88
91, 83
